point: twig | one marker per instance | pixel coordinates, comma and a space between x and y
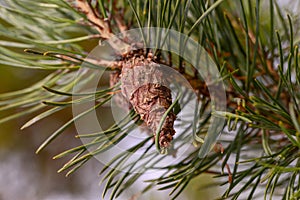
106, 63
118, 19
103, 26
100, 24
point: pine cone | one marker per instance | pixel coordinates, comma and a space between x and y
151, 101
143, 84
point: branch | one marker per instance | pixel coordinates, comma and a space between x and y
106, 63
102, 25
118, 17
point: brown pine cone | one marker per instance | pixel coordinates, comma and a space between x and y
143, 84
151, 101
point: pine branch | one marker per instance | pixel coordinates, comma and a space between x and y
258, 65
102, 25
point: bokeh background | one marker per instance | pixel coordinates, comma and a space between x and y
27, 176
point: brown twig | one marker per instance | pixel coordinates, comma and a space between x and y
107, 63
100, 24
119, 21
103, 26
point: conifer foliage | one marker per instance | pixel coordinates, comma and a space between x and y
254, 45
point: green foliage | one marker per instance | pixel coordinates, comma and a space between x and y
255, 47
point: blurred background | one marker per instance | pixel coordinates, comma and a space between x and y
27, 176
